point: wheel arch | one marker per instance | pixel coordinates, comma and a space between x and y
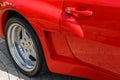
7, 15
11, 13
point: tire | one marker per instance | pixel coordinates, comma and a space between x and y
24, 47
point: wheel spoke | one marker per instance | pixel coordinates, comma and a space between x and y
25, 35
17, 37
32, 52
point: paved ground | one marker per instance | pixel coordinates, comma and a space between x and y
9, 72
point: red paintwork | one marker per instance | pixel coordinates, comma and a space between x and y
84, 42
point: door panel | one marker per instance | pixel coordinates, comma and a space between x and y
95, 34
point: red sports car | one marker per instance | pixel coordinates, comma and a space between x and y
73, 37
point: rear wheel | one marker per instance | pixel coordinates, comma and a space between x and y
24, 46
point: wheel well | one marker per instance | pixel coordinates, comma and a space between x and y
13, 13
7, 15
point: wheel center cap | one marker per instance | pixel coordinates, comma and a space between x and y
26, 45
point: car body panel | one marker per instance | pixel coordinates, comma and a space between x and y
94, 40
57, 35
